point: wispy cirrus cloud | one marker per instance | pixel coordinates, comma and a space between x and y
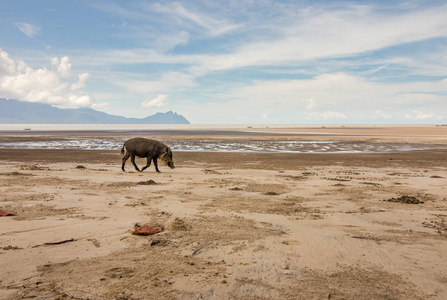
296, 36
213, 25
28, 29
345, 32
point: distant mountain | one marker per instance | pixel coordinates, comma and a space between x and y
17, 112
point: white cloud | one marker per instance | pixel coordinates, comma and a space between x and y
82, 78
419, 115
28, 29
310, 103
327, 115
159, 101
420, 94
63, 65
380, 114
7, 65
21, 82
39, 85
264, 117
80, 100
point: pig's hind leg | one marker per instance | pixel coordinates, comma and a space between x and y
132, 159
125, 157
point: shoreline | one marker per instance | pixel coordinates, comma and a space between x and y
200, 126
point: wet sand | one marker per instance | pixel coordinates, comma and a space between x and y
235, 225
191, 131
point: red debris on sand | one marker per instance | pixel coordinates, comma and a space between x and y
4, 214
144, 230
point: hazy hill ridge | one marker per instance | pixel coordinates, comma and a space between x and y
17, 112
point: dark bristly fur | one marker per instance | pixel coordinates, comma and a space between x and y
151, 149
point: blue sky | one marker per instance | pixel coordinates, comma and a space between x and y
231, 62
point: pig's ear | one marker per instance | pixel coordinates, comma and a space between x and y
168, 153
164, 154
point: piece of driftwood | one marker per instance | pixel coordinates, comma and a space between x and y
55, 243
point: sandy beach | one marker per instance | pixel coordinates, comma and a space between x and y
234, 225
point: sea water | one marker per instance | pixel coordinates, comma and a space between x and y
212, 145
